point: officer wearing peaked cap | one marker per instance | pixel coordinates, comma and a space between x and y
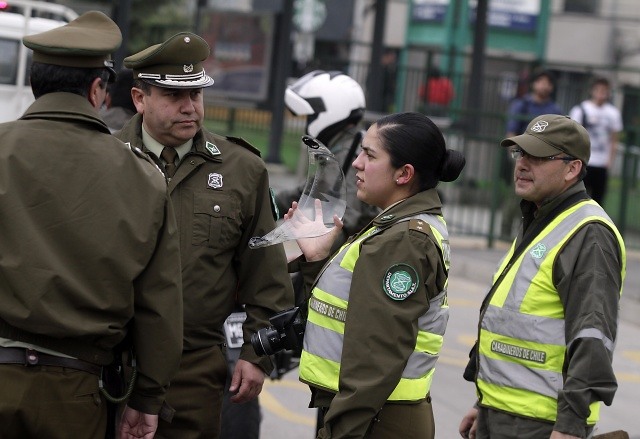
103, 264
220, 188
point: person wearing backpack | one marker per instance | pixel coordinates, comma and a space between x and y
521, 111
603, 122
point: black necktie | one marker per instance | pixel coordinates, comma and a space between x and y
169, 155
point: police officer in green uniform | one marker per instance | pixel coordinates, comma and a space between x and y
220, 189
542, 363
89, 247
378, 310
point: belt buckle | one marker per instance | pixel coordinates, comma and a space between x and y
31, 357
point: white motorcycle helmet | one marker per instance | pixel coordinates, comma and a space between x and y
330, 100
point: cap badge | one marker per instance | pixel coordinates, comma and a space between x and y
215, 180
539, 126
212, 148
187, 40
187, 68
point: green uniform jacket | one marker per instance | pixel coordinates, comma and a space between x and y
380, 333
89, 244
221, 200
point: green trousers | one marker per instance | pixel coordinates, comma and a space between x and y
493, 424
50, 402
196, 395
410, 421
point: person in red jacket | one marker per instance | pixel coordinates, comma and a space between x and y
437, 93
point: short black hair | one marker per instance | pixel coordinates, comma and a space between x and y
544, 73
144, 86
600, 80
120, 90
49, 78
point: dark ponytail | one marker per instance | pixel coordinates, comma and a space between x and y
413, 138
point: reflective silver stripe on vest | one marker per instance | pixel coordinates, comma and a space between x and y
523, 326
548, 331
328, 343
435, 320
517, 376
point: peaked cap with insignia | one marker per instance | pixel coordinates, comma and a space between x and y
86, 42
176, 63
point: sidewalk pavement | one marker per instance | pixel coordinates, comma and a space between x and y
473, 260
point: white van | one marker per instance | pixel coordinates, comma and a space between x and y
17, 19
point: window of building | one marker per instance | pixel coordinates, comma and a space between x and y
583, 6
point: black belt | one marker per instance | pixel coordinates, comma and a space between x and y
30, 357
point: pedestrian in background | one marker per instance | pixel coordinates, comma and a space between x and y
378, 310
521, 111
603, 123
548, 326
220, 188
437, 93
89, 249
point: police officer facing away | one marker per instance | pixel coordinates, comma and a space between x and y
89, 248
220, 189
548, 326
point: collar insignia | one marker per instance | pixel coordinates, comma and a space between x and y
212, 148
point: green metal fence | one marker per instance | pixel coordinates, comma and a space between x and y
473, 204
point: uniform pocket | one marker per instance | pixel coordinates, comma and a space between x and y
216, 220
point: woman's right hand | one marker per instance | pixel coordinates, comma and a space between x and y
318, 248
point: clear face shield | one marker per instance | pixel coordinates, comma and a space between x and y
325, 182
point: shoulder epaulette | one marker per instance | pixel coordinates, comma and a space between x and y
240, 141
419, 226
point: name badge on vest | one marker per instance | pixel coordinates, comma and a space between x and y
215, 180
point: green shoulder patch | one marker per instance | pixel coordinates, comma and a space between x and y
240, 141
400, 281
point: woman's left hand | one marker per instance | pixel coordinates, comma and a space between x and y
318, 248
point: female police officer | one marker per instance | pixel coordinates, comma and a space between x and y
378, 310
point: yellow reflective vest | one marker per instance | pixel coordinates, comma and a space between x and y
522, 331
327, 313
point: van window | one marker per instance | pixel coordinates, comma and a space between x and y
8, 60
